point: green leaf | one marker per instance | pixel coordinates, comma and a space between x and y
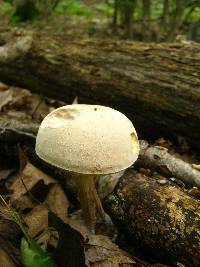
33, 255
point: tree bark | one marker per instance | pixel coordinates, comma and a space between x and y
165, 12
160, 220
146, 10
156, 86
176, 20
115, 14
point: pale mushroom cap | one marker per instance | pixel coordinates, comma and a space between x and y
87, 139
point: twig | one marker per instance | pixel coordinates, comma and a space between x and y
158, 157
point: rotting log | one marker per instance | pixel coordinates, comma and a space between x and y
156, 86
161, 220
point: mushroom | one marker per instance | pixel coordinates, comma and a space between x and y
88, 141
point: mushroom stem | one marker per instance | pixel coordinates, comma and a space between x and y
90, 203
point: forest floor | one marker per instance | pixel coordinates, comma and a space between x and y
31, 192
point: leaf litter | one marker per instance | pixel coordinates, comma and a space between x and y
47, 219
35, 215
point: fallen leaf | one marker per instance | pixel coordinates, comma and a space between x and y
6, 97
13, 97
117, 261
38, 226
76, 221
100, 251
101, 248
37, 219
33, 255
23, 203
5, 261
8, 243
18, 100
70, 247
37, 107
46, 238
9, 230
30, 177
57, 202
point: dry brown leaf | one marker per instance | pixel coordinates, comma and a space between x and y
57, 202
24, 202
103, 252
101, 248
9, 230
5, 260
44, 239
37, 220
76, 221
31, 176
5, 98
18, 100
100, 251
37, 223
117, 261
37, 107
13, 97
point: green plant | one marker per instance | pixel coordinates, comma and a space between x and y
6, 9
73, 8
32, 254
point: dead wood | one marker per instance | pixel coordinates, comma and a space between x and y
160, 220
159, 159
156, 86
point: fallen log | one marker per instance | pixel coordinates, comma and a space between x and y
160, 220
157, 86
